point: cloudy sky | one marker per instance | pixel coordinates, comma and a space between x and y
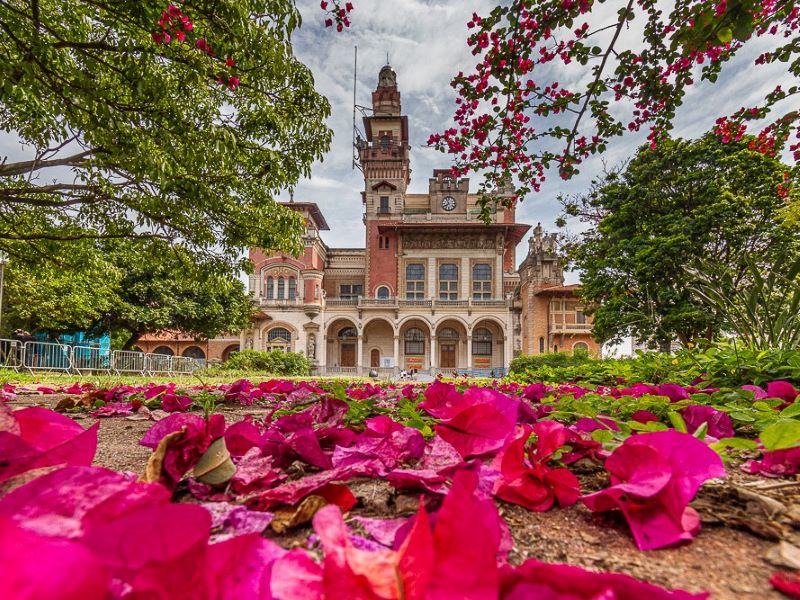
426, 43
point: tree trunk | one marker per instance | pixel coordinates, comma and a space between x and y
132, 341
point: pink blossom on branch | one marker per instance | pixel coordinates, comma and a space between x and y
513, 121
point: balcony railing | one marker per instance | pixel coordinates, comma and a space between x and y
396, 303
570, 327
412, 216
278, 303
341, 302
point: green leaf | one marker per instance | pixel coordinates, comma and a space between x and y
700, 432
780, 435
791, 411
602, 435
677, 422
725, 35
737, 443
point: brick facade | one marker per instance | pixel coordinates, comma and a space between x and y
433, 288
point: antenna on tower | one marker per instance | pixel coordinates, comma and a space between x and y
358, 139
355, 132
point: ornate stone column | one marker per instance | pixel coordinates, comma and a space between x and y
433, 361
469, 351
359, 352
396, 353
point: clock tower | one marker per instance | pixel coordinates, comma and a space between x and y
384, 158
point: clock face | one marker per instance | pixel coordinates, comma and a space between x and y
448, 203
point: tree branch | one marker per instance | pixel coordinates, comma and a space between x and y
22, 167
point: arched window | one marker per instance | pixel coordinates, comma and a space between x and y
279, 333
414, 342
194, 352
580, 346
348, 332
383, 293
541, 345
278, 338
270, 289
555, 348
482, 281
281, 286
448, 333
482, 342
292, 288
164, 350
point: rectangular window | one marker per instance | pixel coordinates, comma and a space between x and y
351, 291
384, 205
415, 282
580, 318
482, 281
448, 281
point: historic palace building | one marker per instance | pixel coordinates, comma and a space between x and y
434, 288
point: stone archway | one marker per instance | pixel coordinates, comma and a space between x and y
378, 341
451, 344
487, 346
415, 344
342, 343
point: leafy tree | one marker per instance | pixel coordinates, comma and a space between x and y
153, 121
685, 205
129, 288
763, 310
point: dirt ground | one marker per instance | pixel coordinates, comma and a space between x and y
726, 558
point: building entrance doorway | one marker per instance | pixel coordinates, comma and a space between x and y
348, 355
447, 356
375, 359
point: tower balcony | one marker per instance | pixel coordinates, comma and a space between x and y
570, 327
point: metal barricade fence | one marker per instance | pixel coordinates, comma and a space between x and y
46, 356
183, 364
90, 358
128, 361
11, 354
158, 363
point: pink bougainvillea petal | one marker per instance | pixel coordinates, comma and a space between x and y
241, 567
64, 502
783, 390
719, 423
44, 438
476, 430
466, 541
786, 583
349, 572
654, 476
534, 579
37, 567
295, 576
416, 558
159, 551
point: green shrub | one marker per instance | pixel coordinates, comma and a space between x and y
276, 362
726, 364
550, 359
